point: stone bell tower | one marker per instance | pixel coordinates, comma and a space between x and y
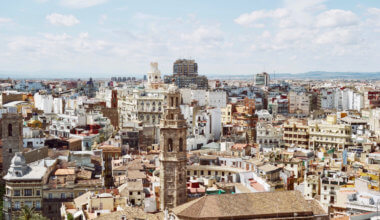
154, 75
173, 154
11, 136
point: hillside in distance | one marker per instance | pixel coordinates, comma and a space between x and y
317, 75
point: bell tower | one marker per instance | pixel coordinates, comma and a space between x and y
154, 75
11, 136
173, 154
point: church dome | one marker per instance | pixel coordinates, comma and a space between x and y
18, 159
18, 166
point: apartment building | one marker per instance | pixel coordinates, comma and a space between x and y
296, 133
331, 182
267, 136
328, 134
300, 103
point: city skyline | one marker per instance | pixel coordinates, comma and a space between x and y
102, 38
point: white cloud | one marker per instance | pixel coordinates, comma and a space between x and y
374, 11
336, 18
250, 19
205, 35
340, 36
290, 41
5, 20
103, 18
81, 3
60, 19
374, 17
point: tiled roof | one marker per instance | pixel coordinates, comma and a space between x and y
62, 172
247, 205
135, 174
268, 168
240, 146
135, 185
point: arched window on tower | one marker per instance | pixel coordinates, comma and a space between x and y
171, 102
10, 130
180, 145
170, 145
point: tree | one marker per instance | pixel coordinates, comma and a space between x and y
2, 192
70, 216
28, 213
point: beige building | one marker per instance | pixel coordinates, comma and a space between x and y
227, 114
91, 205
24, 185
143, 104
133, 191
328, 134
311, 186
296, 133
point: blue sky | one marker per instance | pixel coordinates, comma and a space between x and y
119, 37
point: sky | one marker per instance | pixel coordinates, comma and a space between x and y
102, 38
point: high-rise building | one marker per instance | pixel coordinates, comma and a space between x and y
173, 154
262, 79
183, 67
185, 75
12, 136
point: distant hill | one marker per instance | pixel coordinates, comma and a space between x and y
308, 75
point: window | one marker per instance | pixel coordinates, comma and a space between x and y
170, 145
325, 187
130, 193
27, 192
17, 205
38, 193
9, 130
17, 192
180, 145
138, 193
202, 172
188, 173
50, 195
29, 204
38, 204
63, 196
10, 150
209, 172
195, 172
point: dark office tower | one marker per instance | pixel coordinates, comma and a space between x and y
185, 75
185, 68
